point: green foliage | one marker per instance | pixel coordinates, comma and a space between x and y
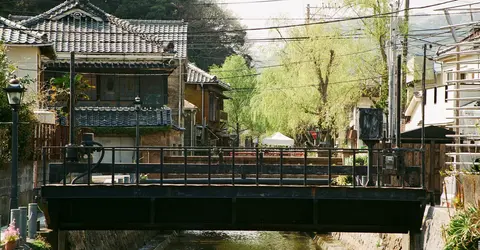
313, 88
40, 243
463, 231
25, 132
57, 93
343, 180
242, 79
360, 160
374, 65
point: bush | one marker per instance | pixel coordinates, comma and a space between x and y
343, 180
40, 244
463, 231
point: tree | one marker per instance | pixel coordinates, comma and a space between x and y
26, 128
377, 32
313, 88
242, 79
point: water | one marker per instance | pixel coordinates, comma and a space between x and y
242, 240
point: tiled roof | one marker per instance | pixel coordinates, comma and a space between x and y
107, 64
196, 75
121, 117
14, 33
82, 27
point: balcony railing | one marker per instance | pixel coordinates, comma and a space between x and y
121, 117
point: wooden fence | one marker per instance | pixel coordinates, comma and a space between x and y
48, 135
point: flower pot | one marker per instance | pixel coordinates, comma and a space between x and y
11, 245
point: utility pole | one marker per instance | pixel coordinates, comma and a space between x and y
391, 72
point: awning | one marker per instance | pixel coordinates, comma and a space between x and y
432, 133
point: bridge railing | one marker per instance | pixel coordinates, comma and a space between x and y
232, 166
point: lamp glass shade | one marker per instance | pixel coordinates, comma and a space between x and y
137, 103
14, 98
14, 92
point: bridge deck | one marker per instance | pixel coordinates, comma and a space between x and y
280, 195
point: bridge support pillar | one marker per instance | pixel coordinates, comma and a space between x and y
415, 240
58, 239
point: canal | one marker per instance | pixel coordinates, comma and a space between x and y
243, 240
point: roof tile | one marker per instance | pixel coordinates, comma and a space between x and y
98, 32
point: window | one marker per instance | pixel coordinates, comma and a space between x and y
152, 89
212, 107
446, 93
435, 95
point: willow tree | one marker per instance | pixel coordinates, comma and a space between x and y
313, 88
242, 78
377, 33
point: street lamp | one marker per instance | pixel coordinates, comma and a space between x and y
14, 94
138, 107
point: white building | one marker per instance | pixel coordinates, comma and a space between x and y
25, 48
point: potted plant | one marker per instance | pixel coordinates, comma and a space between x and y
11, 236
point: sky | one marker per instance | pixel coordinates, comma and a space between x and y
254, 15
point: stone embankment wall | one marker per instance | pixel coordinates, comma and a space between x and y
108, 240
434, 220
25, 185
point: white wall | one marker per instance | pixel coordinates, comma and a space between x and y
27, 60
363, 102
125, 156
436, 113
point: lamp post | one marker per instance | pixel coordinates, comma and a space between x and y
14, 94
138, 107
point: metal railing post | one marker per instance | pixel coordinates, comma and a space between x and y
256, 166
137, 165
64, 153
233, 165
281, 167
423, 165
305, 167
162, 159
89, 166
209, 166
44, 162
185, 159
113, 166
379, 159
354, 181
329, 167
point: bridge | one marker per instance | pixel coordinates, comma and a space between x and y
295, 189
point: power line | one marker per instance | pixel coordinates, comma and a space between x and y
383, 15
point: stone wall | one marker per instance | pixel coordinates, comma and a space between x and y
435, 218
25, 182
108, 240
470, 185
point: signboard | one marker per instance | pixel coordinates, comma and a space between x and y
370, 124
